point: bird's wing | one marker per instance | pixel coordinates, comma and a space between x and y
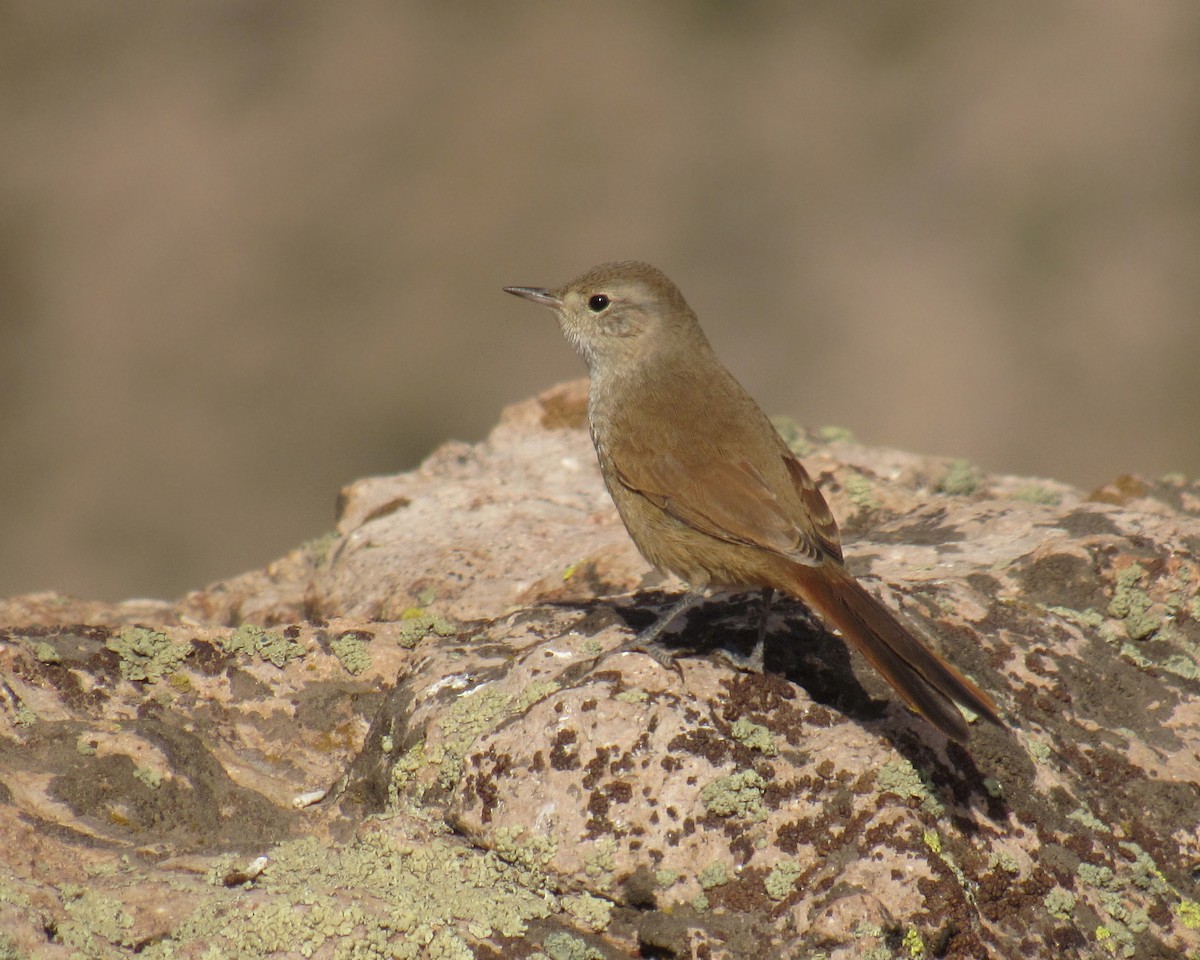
732, 500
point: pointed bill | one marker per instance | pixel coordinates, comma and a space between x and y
536, 294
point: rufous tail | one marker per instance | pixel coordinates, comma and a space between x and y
926, 682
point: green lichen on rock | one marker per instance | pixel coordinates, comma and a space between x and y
901, 778
833, 434
1036, 494
524, 849
149, 776
739, 794
961, 479
473, 714
755, 736
602, 862
1188, 912
92, 915
914, 945
1085, 816
1182, 665
714, 875
780, 882
564, 946
859, 489
269, 645
8, 948
378, 896
1133, 605
1090, 618
351, 650
415, 625
1059, 903
147, 654
589, 911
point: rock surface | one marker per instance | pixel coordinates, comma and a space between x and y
406, 739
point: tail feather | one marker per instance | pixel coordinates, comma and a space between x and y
926, 682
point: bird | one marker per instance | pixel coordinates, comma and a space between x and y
710, 492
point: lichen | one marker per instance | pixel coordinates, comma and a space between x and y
961, 478
524, 849
1146, 874
415, 625
755, 736
738, 794
474, 713
901, 778
1003, 860
269, 645
149, 776
1101, 877
564, 946
666, 878
1084, 618
600, 864
1132, 604
780, 882
1039, 750
92, 915
351, 650
1182, 666
595, 913
1059, 903
1036, 494
147, 654
833, 434
1188, 912
933, 840
858, 489
1089, 820
914, 946
714, 875
406, 900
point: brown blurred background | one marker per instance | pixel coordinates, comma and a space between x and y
250, 251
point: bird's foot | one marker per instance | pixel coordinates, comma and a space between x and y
656, 650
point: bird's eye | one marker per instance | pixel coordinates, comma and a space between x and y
597, 303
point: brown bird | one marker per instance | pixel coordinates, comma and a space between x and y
710, 492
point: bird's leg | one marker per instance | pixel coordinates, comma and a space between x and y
758, 654
647, 641
682, 605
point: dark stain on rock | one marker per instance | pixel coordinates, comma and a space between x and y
1085, 521
930, 531
1062, 580
562, 757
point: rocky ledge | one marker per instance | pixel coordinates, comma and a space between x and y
407, 739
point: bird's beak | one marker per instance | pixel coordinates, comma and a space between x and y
536, 294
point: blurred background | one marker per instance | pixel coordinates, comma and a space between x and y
251, 251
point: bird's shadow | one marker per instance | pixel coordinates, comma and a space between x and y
803, 651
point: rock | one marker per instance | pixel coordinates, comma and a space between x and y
413, 738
